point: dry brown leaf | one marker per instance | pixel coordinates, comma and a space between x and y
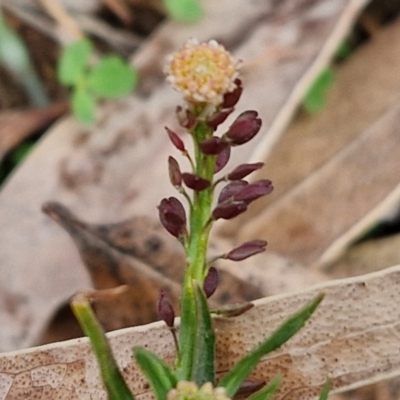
17, 125
365, 257
356, 314
332, 207
311, 140
139, 254
118, 168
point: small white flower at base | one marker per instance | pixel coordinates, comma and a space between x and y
202, 72
190, 391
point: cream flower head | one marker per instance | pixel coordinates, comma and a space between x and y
202, 72
190, 391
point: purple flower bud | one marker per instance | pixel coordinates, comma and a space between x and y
246, 250
185, 118
219, 118
213, 146
222, 159
231, 98
229, 209
244, 128
195, 182
230, 190
165, 309
241, 171
175, 175
254, 190
175, 139
211, 282
172, 216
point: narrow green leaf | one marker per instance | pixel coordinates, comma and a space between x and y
314, 100
83, 106
158, 373
112, 77
232, 380
187, 332
266, 392
204, 356
115, 384
184, 10
73, 62
325, 390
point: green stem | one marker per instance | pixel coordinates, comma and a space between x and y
201, 210
196, 253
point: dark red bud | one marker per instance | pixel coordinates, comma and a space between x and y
175, 174
172, 216
244, 128
219, 118
231, 98
254, 190
195, 182
241, 171
175, 139
222, 159
165, 309
185, 118
211, 282
230, 190
213, 146
228, 210
246, 250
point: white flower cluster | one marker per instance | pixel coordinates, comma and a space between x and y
202, 72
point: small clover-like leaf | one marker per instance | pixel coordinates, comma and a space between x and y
73, 62
83, 106
112, 77
184, 10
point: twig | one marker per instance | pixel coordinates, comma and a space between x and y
64, 20
119, 39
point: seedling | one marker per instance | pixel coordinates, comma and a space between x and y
92, 80
184, 10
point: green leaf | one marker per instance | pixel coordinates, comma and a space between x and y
112, 77
187, 332
266, 392
325, 390
21, 152
83, 106
73, 62
204, 355
232, 380
158, 373
344, 50
314, 100
184, 10
115, 384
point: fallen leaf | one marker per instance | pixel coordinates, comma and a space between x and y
140, 255
356, 313
17, 125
